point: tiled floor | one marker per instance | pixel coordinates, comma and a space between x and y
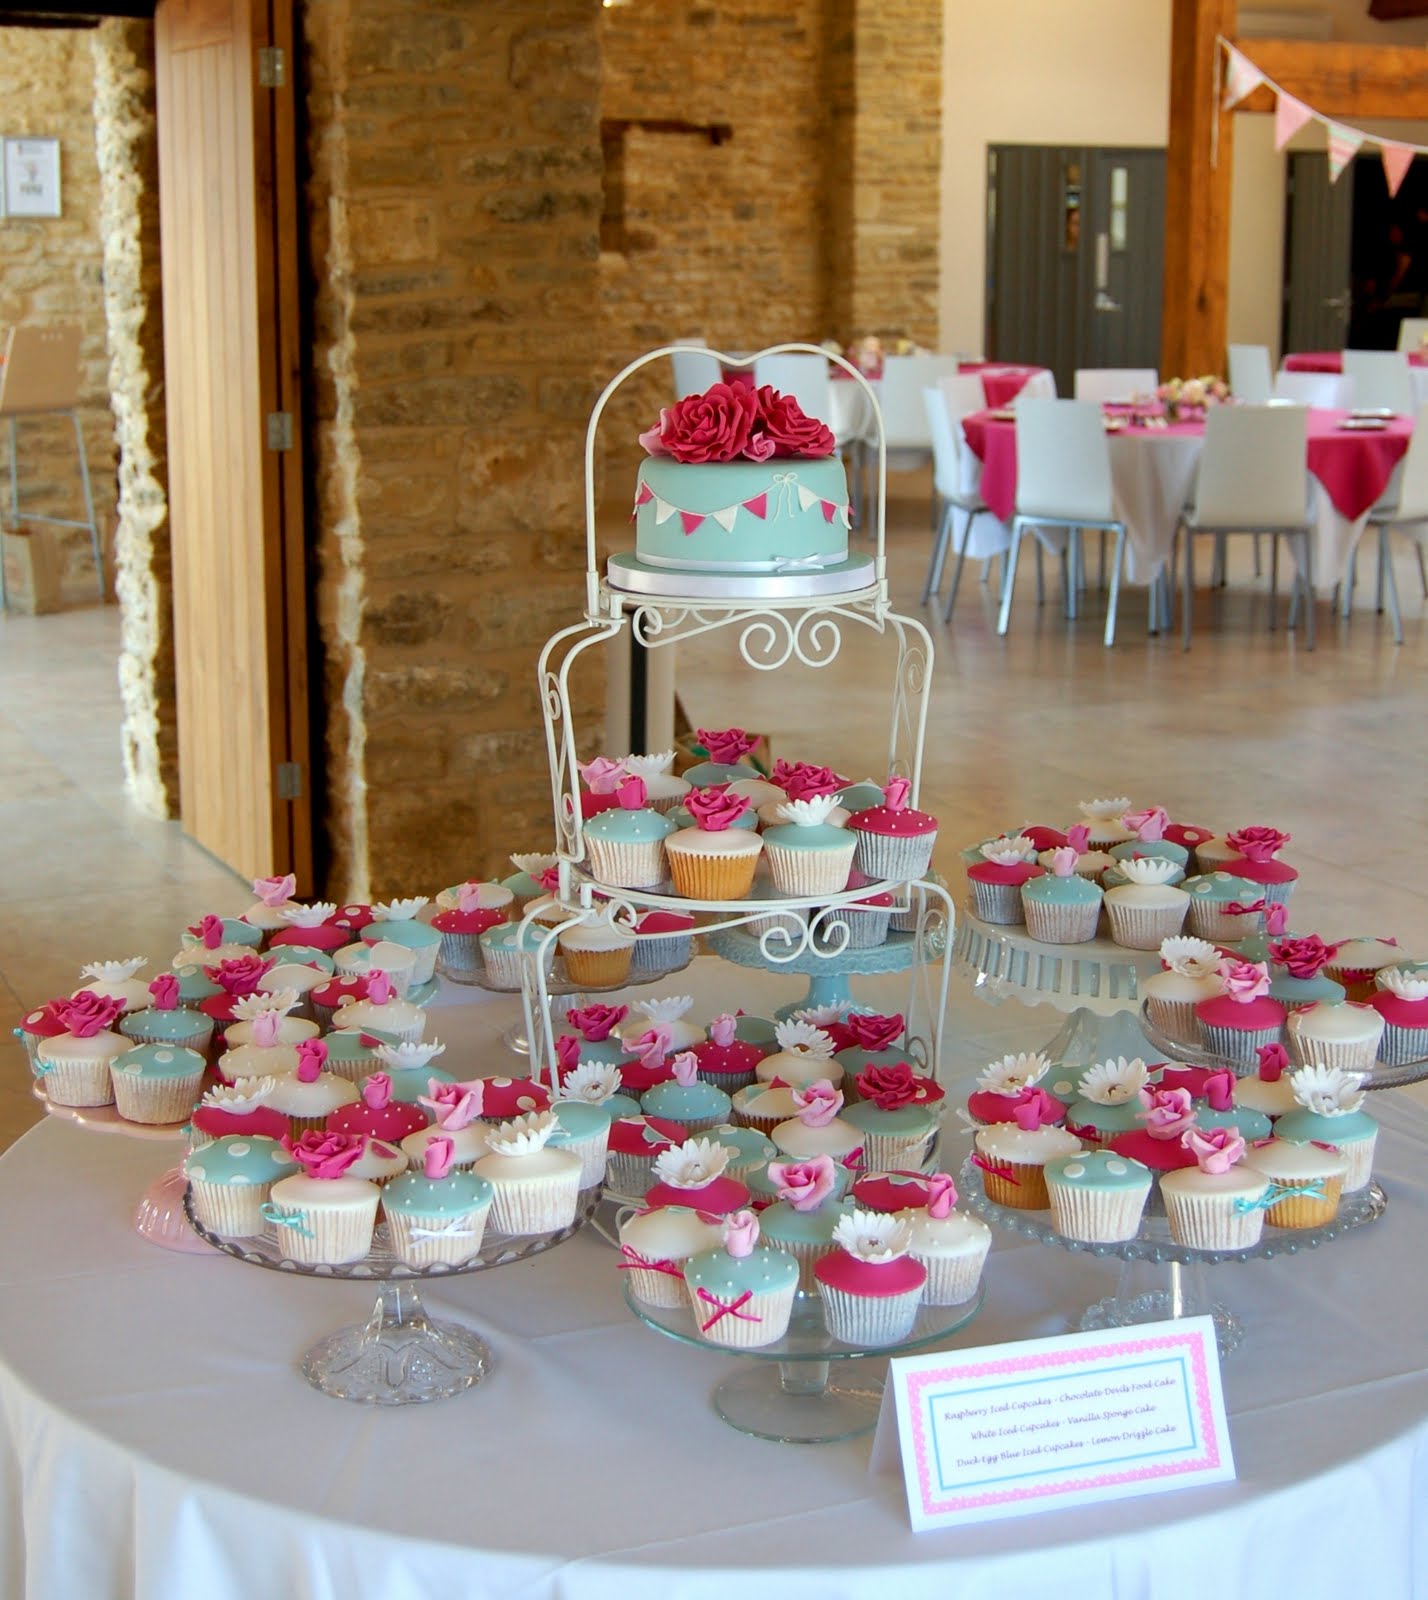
1245, 728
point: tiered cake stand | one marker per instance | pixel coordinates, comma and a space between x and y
399, 1356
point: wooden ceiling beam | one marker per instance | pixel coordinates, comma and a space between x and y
1341, 80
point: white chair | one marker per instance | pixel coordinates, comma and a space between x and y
1412, 331
1105, 385
1039, 386
1381, 380
1404, 506
954, 476
1063, 480
1253, 478
904, 414
1327, 391
1250, 375
40, 378
695, 370
804, 377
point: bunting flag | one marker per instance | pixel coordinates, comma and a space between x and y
725, 516
1290, 115
1397, 159
1343, 147
1242, 77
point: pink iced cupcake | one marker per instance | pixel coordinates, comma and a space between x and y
894, 839
996, 880
1005, 1086
693, 1175
725, 1060
871, 1287
1235, 1024
1401, 999
1168, 1115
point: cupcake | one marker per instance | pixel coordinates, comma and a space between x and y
115, 980
395, 922
1340, 1033
997, 879
298, 980
627, 842
900, 1080
670, 1012
1223, 907
597, 953
321, 1216
505, 951
664, 940
727, 749
714, 859
1268, 1088
157, 1083
651, 1066
806, 853
1401, 999
656, 1243
1059, 906
41, 1023
1307, 1180
895, 1125
273, 894
1097, 1195
602, 778
231, 1179
455, 1113
871, 1287
436, 1214
727, 1061
894, 840
864, 1039
261, 1053
1356, 962
816, 1129
329, 997
763, 1106
382, 1010
478, 906
1109, 1100
238, 1111
1296, 972
1012, 1085
478, 894
950, 1245
1147, 908
583, 1127
747, 1147
805, 1210
635, 1142
309, 1094
1256, 858
536, 1188
1213, 1097
284, 1029
1147, 830
1101, 819
376, 1113
1159, 1142
1216, 1203
1090, 863
1190, 834
686, 1099
75, 1064
360, 960
741, 1293
1012, 1161
214, 932
694, 1174
525, 883
663, 791
164, 1021
1234, 1024
804, 1056
1192, 974
868, 920
1329, 1112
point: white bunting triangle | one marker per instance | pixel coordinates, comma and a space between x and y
663, 510
725, 518
806, 497
1242, 77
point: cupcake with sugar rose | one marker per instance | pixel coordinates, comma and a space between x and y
893, 1118
801, 780
1401, 998
262, 1050
807, 1207
602, 778
728, 751
651, 1062
627, 841
591, 1030
1146, 837
725, 1060
951, 1245
866, 1039
436, 1213
322, 1216
475, 906
1191, 974
204, 946
1159, 1142
663, 790
377, 1113
536, 1188
383, 1010
817, 1129
670, 1011
1234, 1024
1212, 1092
164, 1021
895, 840
1268, 1088
1256, 857
742, 1292
694, 1174
271, 895
804, 1056
686, 1098
871, 1287
1296, 971
74, 1064
1089, 863
309, 1094
116, 980
1330, 1111
525, 883
1061, 907
280, 1004
1216, 1201
714, 859
997, 879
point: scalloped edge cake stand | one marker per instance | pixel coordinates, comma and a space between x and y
1142, 1294
787, 1391
399, 1356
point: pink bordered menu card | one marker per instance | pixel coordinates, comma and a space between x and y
1009, 1429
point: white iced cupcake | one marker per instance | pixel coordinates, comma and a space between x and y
115, 980
1218, 1203
951, 1245
285, 1029
1191, 975
273, 894
535, 1188
382, 1011
322, 1217
816, 1129
309, 1094
663, 791
656, 1244
360, 960
395, 924
670, 1012
1335, 1033
1147, 908
804, 1056
74, 1065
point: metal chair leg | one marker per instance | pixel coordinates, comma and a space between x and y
1381, 567
1009, 578
1385, 566
1345, 590
89, 516
1187, 597
1040, 574
1273, 578
1308, 580
1113, 599
933, 582
1422, 568
957, 570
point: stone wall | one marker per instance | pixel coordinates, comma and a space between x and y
454, 210
51, 273
127, 149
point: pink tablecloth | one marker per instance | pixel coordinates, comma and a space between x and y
1002, 382
1333, 361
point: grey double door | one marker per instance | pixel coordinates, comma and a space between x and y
1075, 249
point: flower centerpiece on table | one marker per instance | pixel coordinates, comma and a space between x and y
1187, 398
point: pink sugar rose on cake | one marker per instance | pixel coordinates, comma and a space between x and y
792, 432
717, 425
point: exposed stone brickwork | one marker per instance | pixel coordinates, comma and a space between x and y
127, 150
454, 207
51, 273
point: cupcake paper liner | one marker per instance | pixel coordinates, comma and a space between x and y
884, 856
1238, 1045
451, 1248
1352, 1055
627, 866
1143, 927
231, 1210
1100, 1216
719, 877
592, 1153
895, 1152
1399, 1046
952, 1280
1305, 1211
460, 956
1175, 1017
629, 1175
340, 1234
998, 902
535, 1205
1208, 922
1026, 1193
1359, 1155
197, 1038
506, 967
157, 1101
809, 872
657, 953
729, 1082
1210, 1222
807, 1254
772, 1309
1050, 924
867, 928
865, 1320
657, 1288
600, 967
80, 1083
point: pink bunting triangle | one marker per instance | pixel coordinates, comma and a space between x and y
759, 505
829, 507
1397, 159
691, 520
1343, 147
645, 495
1242, 77
1290, 115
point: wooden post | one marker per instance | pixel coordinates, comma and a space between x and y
1199, 161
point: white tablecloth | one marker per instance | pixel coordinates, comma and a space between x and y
156, 1440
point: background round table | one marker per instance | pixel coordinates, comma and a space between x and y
157, 1441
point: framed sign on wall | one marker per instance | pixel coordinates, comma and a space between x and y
31, 178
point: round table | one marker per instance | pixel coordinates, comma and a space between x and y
156, 1439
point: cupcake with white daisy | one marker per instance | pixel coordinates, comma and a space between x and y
1005, 1086
1330, 1111
1191, 974
871, 1286
1110, 1099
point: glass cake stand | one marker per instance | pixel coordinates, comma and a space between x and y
827, 974
1161, 1279
399, 1356
1379, 1076
807, 1387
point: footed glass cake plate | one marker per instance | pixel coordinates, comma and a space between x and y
807, 1387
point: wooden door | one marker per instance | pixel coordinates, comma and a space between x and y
1317, 242
228, 211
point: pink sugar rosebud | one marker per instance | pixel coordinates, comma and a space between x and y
941, 1196
804, 1185
567, 1053
741, 1234
723, 1030
685, 1067
1063, 862
1273, 1062
379, 987
1078, 838
1216, 1150
596, 1022
312, 1055
454, 1105
1219, 1090
895, 793
1149, 825
266, 1027
1276, 918
165, 991
1034, 1109
468, 896
275, 891
376, 1090
818, 1104
632, 794
209, 932
437, 1157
